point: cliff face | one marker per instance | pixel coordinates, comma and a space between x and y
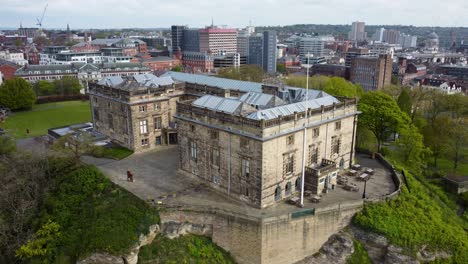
339, 248
130, 258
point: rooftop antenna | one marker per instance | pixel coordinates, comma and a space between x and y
212, 22
304, 139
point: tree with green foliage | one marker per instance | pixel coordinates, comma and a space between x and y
404, 101
177, 68
42, 244
436, 137
75, 145
17, 94
458, 138
340, 87
393, 90
437, 104
41, 41
411, 147
43, 87
7, 144
332, 85
250, 73
67, 86
281, 68
381, 115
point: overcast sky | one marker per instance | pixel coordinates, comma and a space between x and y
238, 13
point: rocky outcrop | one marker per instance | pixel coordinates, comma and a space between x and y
336, 250
381, 251
130, 258
102, 258
175, 229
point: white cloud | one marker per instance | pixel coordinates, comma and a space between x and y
158, 13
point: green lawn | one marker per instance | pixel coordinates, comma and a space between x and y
45, 116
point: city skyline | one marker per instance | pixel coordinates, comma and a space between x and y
159, 14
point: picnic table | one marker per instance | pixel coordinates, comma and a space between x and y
364, 177
342, 180
307, 193
294, 200
315, 199
356, 167
351, 187
352, 173
369, 171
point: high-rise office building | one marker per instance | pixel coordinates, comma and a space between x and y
177, 35
379, 35
371, 72
391, 36
353, 53
218, 40
256, 50
243, 42
314, 46
269, 51
358, 31
191, 40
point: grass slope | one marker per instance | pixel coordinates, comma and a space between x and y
45, 116
94, 215
184, 249
360, 255
418, 218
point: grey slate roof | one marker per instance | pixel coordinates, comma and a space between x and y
152, 80
136, 82
261, 100
112, 81
284, 110
289, 95
216, 81
221, 104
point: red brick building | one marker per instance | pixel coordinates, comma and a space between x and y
371, 72
8, 69
158, 63
198, 61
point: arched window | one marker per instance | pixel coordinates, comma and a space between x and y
278, 193
288, 188
297, 184
342, 163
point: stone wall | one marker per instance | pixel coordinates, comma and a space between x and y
282, 239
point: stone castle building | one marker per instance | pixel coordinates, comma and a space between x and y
242, 138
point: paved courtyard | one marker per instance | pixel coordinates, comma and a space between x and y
157, 179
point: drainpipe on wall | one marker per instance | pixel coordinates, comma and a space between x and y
353, 141
229, 166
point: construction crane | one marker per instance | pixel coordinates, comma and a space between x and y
39, 21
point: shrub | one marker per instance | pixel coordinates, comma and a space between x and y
17, 94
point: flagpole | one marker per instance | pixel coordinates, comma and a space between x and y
304, 139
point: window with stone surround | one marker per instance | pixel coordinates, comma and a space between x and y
143, 126
288, 163
290, 140
215, 158
144, 142
335, 145
316, 132
142, 108
157, 106
313, 154
338, 125
157, 122
244, 143
214, 134
245, 166
110, 119
193, 151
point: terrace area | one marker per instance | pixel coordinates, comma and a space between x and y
158, 181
